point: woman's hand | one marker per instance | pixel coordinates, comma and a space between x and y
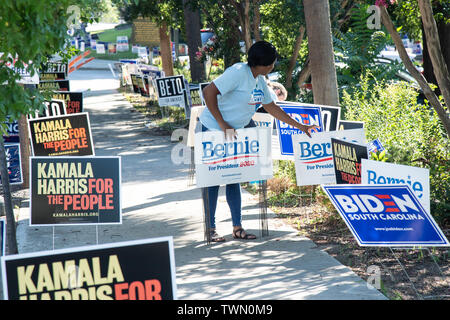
229, 131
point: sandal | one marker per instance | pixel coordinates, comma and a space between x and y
241, 234
215, 237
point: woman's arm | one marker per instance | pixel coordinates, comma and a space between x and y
210, 93
281, 115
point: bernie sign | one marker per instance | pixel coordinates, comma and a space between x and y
385, 216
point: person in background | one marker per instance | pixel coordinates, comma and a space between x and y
232, 99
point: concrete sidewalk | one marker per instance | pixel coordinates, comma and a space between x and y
157, 201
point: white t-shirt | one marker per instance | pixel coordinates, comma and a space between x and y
241, 95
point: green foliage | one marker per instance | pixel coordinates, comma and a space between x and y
411, 133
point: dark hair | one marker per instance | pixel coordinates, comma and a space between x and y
261, 53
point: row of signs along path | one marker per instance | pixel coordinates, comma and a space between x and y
157, 202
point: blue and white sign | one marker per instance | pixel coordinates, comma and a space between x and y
305, 114
246, 158
313, 156
385, 216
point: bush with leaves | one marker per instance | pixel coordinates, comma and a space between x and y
411, 133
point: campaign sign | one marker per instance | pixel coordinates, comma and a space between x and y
12, 131
73, 100
129, 270
170, 91
54, 67
385, 215
418, 179
75, 190
313, 156
2, 236
246, 158
56, 85
347, 158
61, 135
301, 113
375, 146
51, 108
13, 163
135, 83
347, 125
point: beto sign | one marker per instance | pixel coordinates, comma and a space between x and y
385, 216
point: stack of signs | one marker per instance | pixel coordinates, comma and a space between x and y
131, 270
73, 100
313, 156
347, 159
61, 135
52, 77
75, 190
219, 161
306, 114
171, 91
385, 216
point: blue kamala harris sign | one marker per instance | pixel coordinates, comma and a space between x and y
304, 114
385, 216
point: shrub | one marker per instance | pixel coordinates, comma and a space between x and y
411, 133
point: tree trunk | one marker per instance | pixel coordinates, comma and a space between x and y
321, 54
434, 49
194, 41
166, 50
430, 95
25, 150
10, 221
256, 20
293, 60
